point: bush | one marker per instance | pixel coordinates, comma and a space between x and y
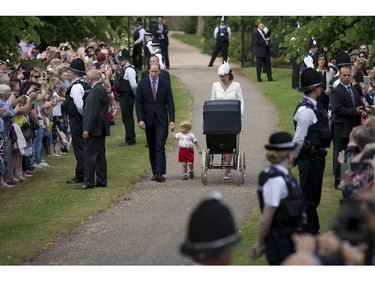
189, 25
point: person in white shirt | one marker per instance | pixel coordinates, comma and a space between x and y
186, 142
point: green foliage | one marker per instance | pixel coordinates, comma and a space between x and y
189, 25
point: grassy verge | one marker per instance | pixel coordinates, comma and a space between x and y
285, 100
190, 39
39, 210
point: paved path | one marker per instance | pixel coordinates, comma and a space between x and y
148, 229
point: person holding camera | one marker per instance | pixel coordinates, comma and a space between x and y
313, 137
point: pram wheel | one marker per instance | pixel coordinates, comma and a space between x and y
241, 166
205, 165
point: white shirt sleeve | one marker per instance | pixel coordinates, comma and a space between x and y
308, 60
215, 32
77, 93
304, 118
273, 191
229, 33
141, 36
130, 76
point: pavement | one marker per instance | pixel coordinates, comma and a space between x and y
149, 228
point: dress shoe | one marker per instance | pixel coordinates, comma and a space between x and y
74, 180
153, 178
100, 185
271, 80
260, 80
210, 65
83, 187
127, 143
159, 178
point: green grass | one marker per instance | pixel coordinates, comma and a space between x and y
39, 210
190, 39
285, 100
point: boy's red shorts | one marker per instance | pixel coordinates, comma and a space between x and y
186, 155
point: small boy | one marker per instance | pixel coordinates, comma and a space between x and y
186, 141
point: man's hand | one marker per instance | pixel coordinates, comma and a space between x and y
171, 126
142, 125
85, 135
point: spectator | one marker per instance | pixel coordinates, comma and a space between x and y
261, 45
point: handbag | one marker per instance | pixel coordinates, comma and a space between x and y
27, 131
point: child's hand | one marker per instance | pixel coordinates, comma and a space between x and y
200, 151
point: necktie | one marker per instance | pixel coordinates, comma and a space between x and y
351, 95
154, 89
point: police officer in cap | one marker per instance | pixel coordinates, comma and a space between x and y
312, 56
138, 37
125, 86
74, 102
313, 137
211, 233
280, 200
222, 35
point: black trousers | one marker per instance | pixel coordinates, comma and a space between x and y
127, 108
339, 144
266, 63
156, 137
76, 131
95, 160
137, 57
311, 171
295, 74
164, 50
220, 46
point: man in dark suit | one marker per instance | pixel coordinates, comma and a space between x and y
155, 109
346, 109
160, 32
95, 130
261, 43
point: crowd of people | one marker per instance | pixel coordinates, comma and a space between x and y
75, 93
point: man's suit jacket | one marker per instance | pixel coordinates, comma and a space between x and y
163, 74
95, 112
164, 32
146, 107
344, 116
259, 44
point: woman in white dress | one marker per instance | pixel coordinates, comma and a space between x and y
227, 89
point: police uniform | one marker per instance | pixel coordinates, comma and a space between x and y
73, 105
125, 87
279, 191
313, 137
222, 35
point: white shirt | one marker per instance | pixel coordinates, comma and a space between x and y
275, 189
77, 93
305, 117
130, 75
233, 92
141, 31
162, 66
56, 111
186, 140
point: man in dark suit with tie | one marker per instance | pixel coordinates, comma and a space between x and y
160, 32
95, 130
155, 111
261, 43
346, 109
